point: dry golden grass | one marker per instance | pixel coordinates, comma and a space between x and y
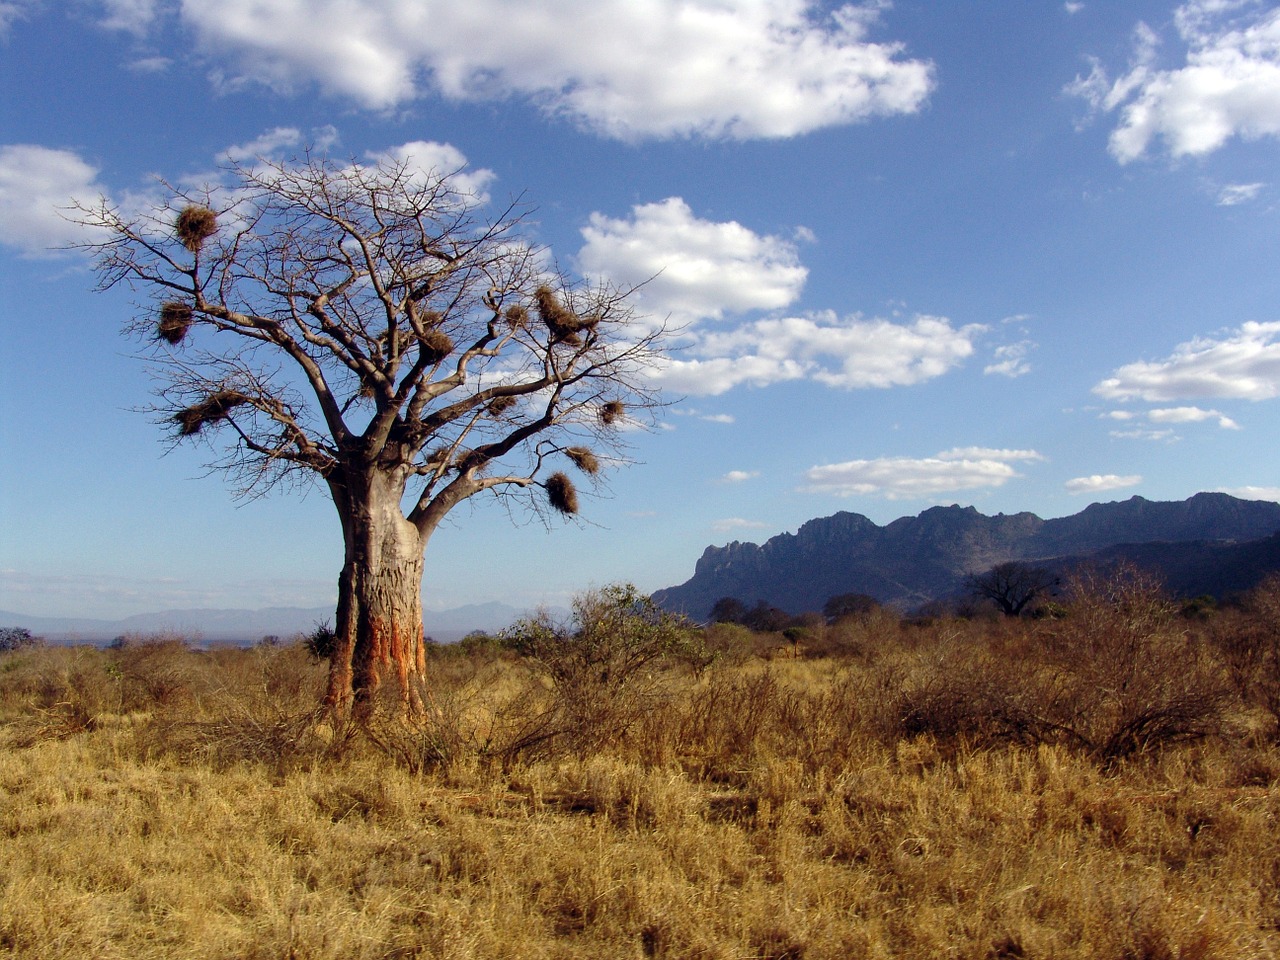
158, 802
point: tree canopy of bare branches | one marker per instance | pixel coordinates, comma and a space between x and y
369, 327
1013, 586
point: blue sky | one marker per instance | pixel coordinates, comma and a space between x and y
1020, 255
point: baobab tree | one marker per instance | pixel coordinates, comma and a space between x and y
367, 327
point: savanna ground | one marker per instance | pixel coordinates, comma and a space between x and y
1102, 783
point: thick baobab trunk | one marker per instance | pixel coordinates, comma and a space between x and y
379, 618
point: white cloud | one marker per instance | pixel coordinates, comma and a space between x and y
133, 16
1011, 359
1244, 364
1191, 415
736, 523
429, 158
1234, 194
1072, 7
1118, 415
11, 12
850, 353
725, 418
1228, 87
1097, 483
904, 478
269, 144
1253, 493
740, 69
151, 65
37, 186
989, 453
739, 476
1141, 433
691, 268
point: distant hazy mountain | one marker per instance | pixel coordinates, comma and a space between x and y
249, 625
917, 559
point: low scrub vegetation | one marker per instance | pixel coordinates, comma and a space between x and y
1103, 782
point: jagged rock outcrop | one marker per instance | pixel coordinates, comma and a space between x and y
917, 559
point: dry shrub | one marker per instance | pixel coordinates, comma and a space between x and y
1134, 679
1250, 645
155, 671
265, 709
53, 693
1116, 675
602, 665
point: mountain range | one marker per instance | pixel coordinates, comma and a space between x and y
1211, 543
239, 626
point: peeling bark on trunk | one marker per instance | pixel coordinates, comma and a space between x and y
379, 619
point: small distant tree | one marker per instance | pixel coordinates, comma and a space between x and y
728, 610
1012, 586
366, 326
849, 605
16, 638
764, 617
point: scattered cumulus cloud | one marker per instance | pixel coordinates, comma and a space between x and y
736, 523
1228, 86
11, 12
724, 418
132, 16
691, 268
738, 69
37, 186
905, 478
268, 144
40, 186
1234, 194
846, 353
1073, 8
1240, 364
1097, 483
150, 64
1253, 493
1143, 433
988, 453
1165, 415
428, 158
739, 476
1010, 360
1191, 415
